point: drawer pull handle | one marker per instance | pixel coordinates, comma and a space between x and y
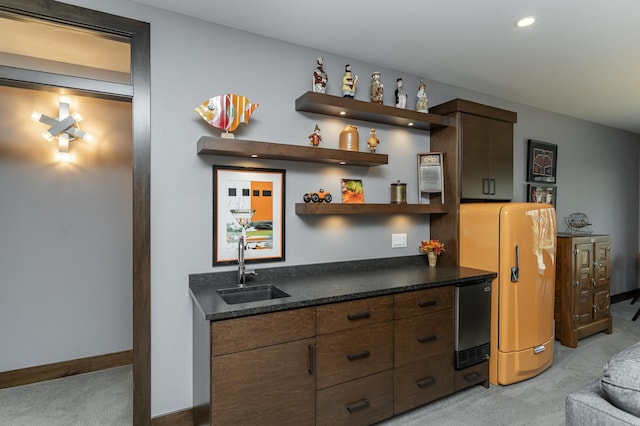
427, 339
359, 316
357, 406
428, 303
429, 381
472, 377
312, 359
354, 357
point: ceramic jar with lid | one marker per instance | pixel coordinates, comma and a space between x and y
350, 139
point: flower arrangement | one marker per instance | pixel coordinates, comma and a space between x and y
431, 246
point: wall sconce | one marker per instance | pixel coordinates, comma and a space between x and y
65, 128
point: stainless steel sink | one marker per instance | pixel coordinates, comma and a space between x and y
254, 293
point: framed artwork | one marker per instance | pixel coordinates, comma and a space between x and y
542, 194
256, 189
542, 162
352, 191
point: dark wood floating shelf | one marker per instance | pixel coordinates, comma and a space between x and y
277, 151
359, 110
368, 208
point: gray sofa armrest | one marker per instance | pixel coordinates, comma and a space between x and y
588, 407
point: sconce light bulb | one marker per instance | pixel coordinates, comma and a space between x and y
35, 116
65, 157
88, 137
76, 116
48, 136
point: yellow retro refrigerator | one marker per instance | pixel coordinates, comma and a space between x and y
518, 241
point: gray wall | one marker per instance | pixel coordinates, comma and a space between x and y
194, 60
65, 233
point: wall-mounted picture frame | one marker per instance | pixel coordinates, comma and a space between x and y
542, 194
542, 162
262, 190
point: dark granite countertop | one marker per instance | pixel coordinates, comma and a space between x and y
312, 285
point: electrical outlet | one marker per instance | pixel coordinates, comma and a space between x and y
398, 240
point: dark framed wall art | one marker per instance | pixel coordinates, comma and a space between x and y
542, 162
542, 194
262, 190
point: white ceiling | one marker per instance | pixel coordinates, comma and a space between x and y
581, 58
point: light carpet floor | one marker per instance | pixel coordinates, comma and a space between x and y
104, 397
539, 400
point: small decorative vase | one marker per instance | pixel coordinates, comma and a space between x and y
433, 258
350, 139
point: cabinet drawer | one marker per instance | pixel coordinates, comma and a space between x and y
355, 353
241, 334
358, 402
423, 336
422, 382
470, 376
423, 301
355, 313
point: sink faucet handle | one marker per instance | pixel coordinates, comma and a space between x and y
251, 272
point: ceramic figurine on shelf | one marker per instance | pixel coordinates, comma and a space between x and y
421, 103
349, 83
377, 88
401, 94
226, 112
315, 138
373, 141
319, 77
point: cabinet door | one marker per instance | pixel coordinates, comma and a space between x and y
601, 303
601, 263
583, 292
501, 134
273, 385
487, 158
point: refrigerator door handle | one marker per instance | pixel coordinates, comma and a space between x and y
515, 270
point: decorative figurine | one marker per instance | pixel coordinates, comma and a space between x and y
315, 138
373, 141
401, 94
349, 83
318, 197
226, 112
421, 104
377, 88
319, 77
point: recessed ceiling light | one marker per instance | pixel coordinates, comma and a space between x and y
526, 21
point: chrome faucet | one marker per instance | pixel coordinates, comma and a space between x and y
243, 217
242, 271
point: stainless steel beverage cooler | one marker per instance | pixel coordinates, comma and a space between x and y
473, 323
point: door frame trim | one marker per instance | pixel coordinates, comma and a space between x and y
139, 94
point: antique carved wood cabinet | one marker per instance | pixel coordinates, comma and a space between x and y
582, 287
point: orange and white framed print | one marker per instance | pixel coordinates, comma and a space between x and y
252, 199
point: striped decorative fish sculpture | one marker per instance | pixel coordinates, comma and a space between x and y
226, 112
